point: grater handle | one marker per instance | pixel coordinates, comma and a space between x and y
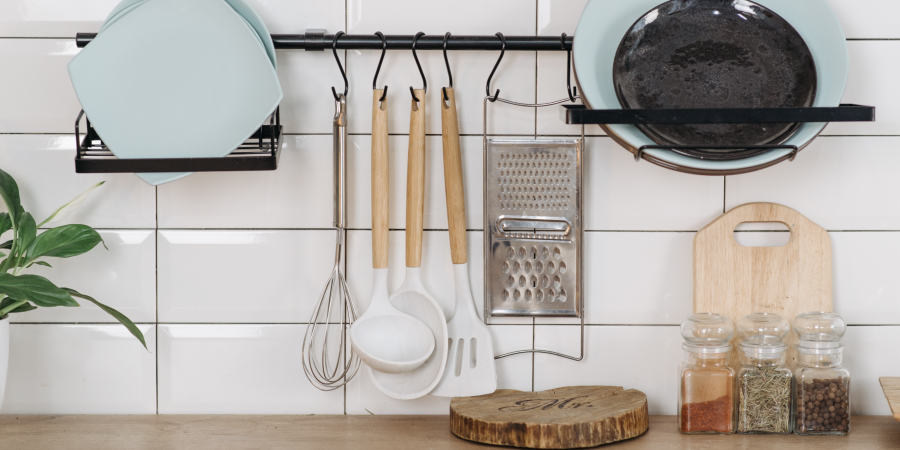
380, 181
453, 178
415, 181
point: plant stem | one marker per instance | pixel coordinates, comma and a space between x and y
9, 308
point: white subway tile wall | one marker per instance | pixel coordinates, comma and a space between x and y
221, 270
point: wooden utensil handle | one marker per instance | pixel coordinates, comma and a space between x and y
453, 179
415, 182
380, 181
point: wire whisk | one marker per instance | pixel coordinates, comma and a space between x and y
334, 313
328, 368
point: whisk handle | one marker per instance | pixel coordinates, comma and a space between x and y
339, 132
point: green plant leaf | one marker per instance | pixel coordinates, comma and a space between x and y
63, 212
119, 316
7, 245
5, 223
40, 263
13, 262
22, 308
64, 242
36, 289
27, 232
9, 191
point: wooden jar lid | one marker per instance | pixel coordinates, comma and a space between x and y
569, 417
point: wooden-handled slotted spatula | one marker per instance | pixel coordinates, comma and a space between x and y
470, 366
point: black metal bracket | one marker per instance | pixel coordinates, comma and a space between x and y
315, 40
261, 151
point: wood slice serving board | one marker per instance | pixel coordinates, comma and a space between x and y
569, 417
891, 388
734, 280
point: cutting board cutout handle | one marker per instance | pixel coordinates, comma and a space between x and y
762, 234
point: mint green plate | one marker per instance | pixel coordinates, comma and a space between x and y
154, 85
604, 22
249, 14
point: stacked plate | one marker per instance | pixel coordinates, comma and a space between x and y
177, 79
711, 54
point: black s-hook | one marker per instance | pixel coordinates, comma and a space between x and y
343, 74
487, 87
449, 74
378, 70
573, 92
421, 73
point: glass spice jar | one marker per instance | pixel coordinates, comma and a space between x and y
764, 380
821, 383
706, 396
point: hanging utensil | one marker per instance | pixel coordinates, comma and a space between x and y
387, 339
470, 370
324, 371
412, 297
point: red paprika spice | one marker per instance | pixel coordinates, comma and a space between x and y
706, 395
711, 416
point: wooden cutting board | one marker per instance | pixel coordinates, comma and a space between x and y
891, 388
569, 417
734, 280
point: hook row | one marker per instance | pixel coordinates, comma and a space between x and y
572, 92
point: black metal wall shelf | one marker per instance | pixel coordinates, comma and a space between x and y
261, 151
581, 115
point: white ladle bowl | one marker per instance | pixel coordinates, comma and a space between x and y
385, 338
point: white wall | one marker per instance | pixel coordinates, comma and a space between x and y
222, 269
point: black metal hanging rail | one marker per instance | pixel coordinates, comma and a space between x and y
319, 41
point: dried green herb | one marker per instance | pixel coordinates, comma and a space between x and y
764, 402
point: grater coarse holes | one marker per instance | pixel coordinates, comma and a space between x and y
533, 218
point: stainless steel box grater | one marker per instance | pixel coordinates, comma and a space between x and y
533, 228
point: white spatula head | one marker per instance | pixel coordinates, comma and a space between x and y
470, 367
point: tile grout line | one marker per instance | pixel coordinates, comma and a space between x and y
476, 230
346, 241
574, 135
156, 278
664, 325
536, 72
536, 75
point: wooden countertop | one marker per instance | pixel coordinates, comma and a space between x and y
164, 432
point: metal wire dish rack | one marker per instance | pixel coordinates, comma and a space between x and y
261, 151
